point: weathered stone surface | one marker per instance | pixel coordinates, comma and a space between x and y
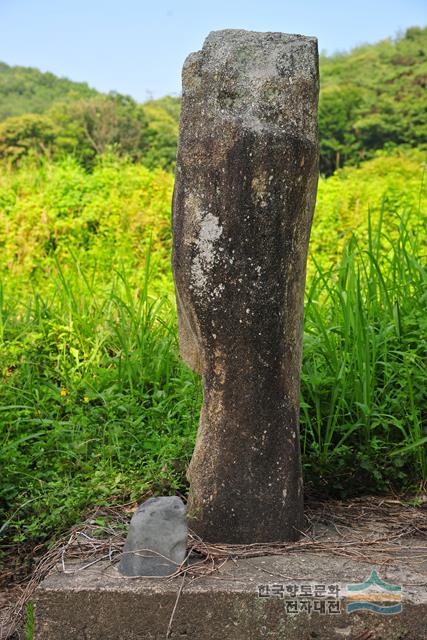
246, 181
157, 538
99, 604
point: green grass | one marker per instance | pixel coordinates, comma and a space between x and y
29, 622
95, 403
363, 378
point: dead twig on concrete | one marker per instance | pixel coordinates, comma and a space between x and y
376, 531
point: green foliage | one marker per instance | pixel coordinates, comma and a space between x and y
105, 406
56, 210
89, 127
373, 98
26, 90
386, 186
27, 134
363, 380
29, 623
81, 121
95, 404
338, 105
162, 132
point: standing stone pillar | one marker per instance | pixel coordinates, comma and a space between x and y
246, 180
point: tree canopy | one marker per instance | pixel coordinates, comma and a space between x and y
371, 99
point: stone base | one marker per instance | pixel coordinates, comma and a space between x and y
99, 604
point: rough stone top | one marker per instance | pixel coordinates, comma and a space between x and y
264, 79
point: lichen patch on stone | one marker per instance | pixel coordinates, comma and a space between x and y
206, 251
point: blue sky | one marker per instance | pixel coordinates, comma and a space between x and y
138, 47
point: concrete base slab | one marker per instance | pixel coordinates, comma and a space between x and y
295, 596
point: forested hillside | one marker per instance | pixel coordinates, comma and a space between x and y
43, 115
371, 98
28, 90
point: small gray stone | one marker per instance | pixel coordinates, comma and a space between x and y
157, 538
